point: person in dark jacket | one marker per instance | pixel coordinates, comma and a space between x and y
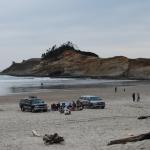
133, 97
138, 97
115, 89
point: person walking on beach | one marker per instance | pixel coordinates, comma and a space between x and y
138, 97
133, 97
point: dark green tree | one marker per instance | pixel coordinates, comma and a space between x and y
55, 51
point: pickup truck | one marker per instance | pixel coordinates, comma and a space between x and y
89, 101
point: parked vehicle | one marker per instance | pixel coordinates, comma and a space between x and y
33, 104
89, 101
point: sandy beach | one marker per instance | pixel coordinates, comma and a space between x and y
89, 129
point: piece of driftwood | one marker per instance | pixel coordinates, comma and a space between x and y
143, 117
52, 139
140, 137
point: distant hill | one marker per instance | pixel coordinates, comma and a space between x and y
66, 61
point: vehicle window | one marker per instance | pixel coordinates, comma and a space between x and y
95, 98
85, 98
37, 101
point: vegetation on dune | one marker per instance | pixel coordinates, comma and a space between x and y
55, 51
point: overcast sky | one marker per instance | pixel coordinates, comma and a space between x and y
106, 27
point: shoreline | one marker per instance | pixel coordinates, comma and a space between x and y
11, 85
44, 88
51, 90
80, 77
106, 84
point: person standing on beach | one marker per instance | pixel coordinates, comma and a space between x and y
124, 89
133, 97
115, 89
138, 97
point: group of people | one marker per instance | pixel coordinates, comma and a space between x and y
71, 106
55, 107
136, 97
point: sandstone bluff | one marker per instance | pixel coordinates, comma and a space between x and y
69, 62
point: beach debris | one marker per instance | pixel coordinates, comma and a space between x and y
34, 132
143, 117
140, 137
52, 139
49, 138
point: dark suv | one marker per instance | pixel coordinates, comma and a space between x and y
33, 104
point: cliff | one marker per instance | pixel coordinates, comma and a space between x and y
72, 63
22, 69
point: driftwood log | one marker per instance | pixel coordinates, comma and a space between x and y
140, 137
52, 139
143, 117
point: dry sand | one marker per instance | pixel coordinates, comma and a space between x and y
90, 129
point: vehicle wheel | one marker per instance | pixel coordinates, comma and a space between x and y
102, 107
45, 110
22, 108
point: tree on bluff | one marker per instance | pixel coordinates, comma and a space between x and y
55, 51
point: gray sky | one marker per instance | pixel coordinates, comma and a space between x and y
106, 27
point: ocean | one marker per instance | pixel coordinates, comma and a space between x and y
14, 85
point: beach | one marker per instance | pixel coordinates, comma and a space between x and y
89, 129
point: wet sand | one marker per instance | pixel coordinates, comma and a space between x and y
90, 129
